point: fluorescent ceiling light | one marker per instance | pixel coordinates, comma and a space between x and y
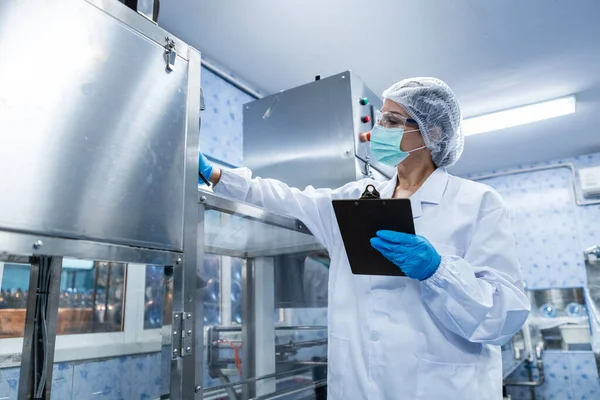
519, 116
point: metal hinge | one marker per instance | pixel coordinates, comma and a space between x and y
182, 334
170, 54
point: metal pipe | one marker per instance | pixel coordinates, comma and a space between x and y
278, 328
280, 395
526, 330
300, 345
299, 327
307, 343
539, 382
230, 390
95, 296
531, 388
229, 79
107, 294
570, 166
256, 378
307, 363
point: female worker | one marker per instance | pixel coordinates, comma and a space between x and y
434, 334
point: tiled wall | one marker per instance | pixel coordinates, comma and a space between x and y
221, 131
136, 377
551, 232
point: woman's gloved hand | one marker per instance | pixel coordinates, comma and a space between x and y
205, 168
415, 256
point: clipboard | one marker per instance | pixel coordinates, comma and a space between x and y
359, 220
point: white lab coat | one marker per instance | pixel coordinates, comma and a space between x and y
399, 338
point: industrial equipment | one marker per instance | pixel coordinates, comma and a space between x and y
264, 352
311, 134
99, 122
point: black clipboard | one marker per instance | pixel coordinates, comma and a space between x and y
359, 220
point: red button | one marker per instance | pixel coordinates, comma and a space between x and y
366, 119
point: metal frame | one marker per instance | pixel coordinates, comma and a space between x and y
199, 301
15, 244
30, 353
185, 377
212, 201
258, 330
305, 248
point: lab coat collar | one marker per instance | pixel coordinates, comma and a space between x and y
431, 191
434, 187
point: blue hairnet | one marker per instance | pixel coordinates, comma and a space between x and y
434, 106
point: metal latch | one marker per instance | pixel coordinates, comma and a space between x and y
182, 334
202, 105
170, 54
368, 173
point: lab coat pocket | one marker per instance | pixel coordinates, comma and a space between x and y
437, 380
337, 364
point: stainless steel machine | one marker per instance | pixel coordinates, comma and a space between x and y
263, 353
99, 122
309, 135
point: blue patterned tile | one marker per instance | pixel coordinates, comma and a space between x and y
9, 382
584, 375
62, 381
588, 223
143, 377
547, 226
99, 379
132, 377
588, 160
222, 128
558, 385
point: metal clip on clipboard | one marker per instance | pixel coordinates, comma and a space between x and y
370, 193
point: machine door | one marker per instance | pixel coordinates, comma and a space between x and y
92, 127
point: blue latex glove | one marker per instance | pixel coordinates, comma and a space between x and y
415, 256
205, 168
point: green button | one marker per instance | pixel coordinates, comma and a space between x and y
364, 101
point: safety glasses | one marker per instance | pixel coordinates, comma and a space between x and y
391, 119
